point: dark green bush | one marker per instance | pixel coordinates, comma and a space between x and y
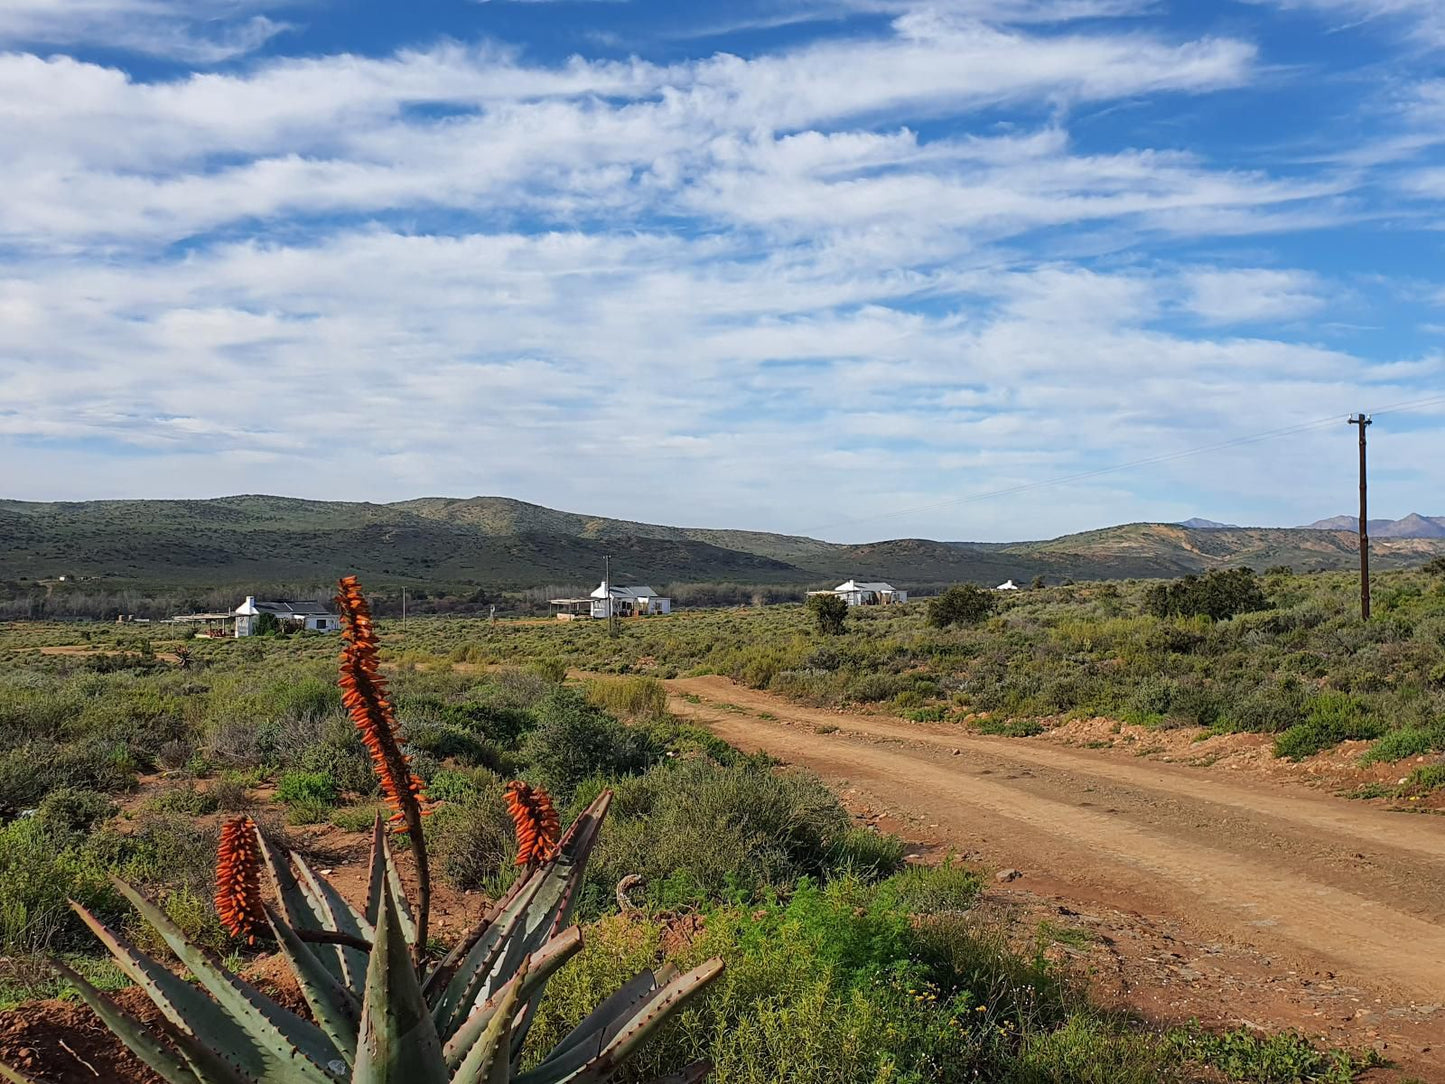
307, 788
962, 604
697, 831
471, 836
74, 810
1218, 594
574, 740
830, 613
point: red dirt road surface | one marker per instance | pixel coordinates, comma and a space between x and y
1230, 898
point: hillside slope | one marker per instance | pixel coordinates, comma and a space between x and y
502, 543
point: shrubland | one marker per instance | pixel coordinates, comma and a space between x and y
844, 964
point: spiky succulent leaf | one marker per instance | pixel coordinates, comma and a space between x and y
398, 1043
332, 1004
307, 1054
15, 1076
531, 976
489, 1061
141, 1041
599, 1055
338, 916
188, 1010
471, 977
306, 911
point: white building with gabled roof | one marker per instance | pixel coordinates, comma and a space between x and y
609, 600
855, 593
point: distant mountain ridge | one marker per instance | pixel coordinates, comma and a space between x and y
501, 543
1412, 526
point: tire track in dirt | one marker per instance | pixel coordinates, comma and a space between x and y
1279, 869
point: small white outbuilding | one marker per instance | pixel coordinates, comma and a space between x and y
1007, 585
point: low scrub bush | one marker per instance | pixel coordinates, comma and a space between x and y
630, 697
963, 604
697, 831
1330, 718
471, 836
574, 740
1218, 594
1407, 741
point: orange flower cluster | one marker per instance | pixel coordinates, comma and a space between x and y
238, 879
538, 828
363, 691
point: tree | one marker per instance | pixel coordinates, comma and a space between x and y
962, 604
830, 611
1038, 584
1434, 567
1221, 593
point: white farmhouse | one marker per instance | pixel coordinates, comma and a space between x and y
1007, 585
316, 616
866, 594
614, 599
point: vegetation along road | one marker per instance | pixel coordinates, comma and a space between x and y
1328, 893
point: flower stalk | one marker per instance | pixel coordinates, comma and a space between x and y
363, 692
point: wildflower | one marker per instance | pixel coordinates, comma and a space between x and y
238, 879
538, 828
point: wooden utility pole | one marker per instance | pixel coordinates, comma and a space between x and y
1363, 421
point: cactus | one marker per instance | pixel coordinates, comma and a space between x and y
380, 1012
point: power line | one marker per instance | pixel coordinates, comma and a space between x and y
1166, 457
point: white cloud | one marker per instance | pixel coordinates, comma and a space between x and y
1252, 295
1422, 19
193, 31
738, 285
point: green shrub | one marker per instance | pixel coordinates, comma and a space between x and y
74, 810
963, 604
1407, 741
699, 831
314, 789
41, 868
1218, 594
1330, 718
868, 854
1281, 1058
186, 799
1423, 780
574, 740
472, 839
830, 613
633, 697
929, 890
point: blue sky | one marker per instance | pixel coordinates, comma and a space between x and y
853, 268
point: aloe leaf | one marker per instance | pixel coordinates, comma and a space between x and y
490, 1058
471, 975
621, 1037
442, 975
587, 1039
337, 915
278, 1031
398, 1042
137, 1037
188, 1010
304, 912
534, 972
332, 1004
15, 1076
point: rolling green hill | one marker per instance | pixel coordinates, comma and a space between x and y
507, 544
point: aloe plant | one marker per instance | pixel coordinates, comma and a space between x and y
380, 1013
377, 1018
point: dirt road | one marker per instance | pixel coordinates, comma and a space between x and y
1316, 912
